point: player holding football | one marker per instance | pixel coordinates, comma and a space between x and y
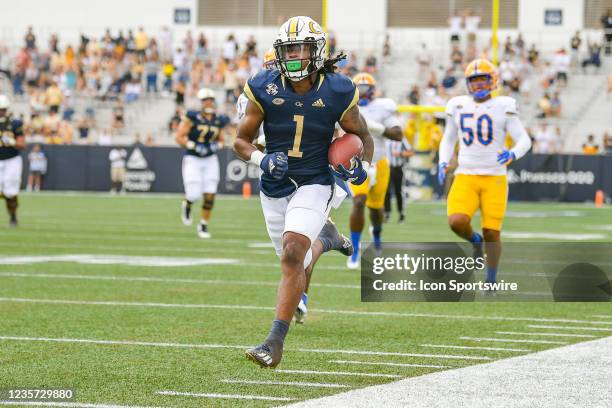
481, 122
379, 114
12, 140
299, 104
200, 134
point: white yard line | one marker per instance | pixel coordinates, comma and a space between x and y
266, 308
69, 404
224, 396
585, 336
207, 346
386, 364
340, 373
288, 383
473, 347
572, 376
603, 316
164, 280
539, 326
512, 340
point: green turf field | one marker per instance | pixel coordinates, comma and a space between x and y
120, 333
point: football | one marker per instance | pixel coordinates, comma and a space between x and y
343, 149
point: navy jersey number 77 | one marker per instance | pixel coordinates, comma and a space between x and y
302, 126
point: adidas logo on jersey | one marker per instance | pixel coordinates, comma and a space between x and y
318, 103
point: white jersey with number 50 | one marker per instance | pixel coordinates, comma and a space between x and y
481, 130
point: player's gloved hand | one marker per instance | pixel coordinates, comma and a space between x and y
505, 157
356, 175
275, 164
442, 172
201, 149
214, 147
8, 141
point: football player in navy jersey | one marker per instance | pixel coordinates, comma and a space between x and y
12, 140
299, 105
200, 134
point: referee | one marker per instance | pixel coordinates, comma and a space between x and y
398, 153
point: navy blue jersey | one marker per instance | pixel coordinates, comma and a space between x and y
204, 131
302, 126
9, 129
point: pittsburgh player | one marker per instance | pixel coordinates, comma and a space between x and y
12, 140
299, 104
379, 114
200, 134
481, 123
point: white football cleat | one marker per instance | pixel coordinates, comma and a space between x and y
185, 213
203, 231
353, 264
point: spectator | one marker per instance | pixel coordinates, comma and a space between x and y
179, 93
594, 57
519, 45
230, 83
132, 90
472, 21
30, 39
118, 121
230, 49
333, 42
370, 64
456, 57
84, 125
117, 157
53, 97
141, 42
168, 71
165, 43
188, 43
38, 168
555, 105
105, 137
137, 143
606, 23
561, 63
449, 81
590, 147
387, 47
201, 47
251, 45
607, 142
423, 59
151, 68
150, 140
414, 95
545, 140
544, 106
51, 128
455, 22
508, 47
533, 55
575, 47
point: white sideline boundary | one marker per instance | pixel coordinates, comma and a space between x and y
223, 396
267, 308
572, 376
229, 346
69, 404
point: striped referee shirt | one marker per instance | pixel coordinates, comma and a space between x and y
395, 148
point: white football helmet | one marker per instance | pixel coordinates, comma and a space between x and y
5, 102
300, 39
206, 93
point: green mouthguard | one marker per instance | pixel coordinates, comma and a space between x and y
293, 66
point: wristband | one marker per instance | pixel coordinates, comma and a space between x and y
190, 144
256, 157
365, 165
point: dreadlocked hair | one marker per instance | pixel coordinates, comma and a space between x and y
329, 65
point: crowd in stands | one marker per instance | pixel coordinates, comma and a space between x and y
65, 85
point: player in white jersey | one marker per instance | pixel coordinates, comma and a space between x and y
481, 122
382, 122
